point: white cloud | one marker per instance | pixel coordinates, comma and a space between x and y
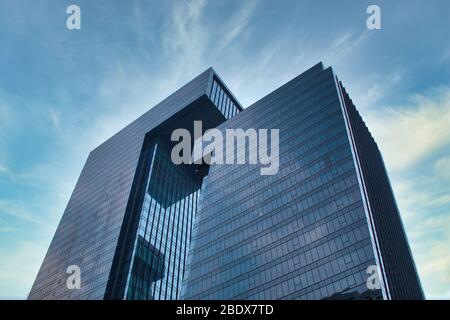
185, 39
408, 134
19, 212
3, 170
430, 239
344, 44
369, 96
412, 137
442, 167
54, 116
18, 270
423, 202
236, 25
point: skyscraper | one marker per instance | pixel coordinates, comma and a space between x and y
141, 227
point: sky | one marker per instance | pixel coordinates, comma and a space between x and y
63, 92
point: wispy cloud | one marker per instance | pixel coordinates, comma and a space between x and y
236, 25
184, 38
413, 138
344, 44
442, 167
376, 89
54, 116
17, 273
150, 51
407, 134
429, 233
19, 212
3, 169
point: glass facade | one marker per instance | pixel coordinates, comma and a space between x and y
98, 225
299, 234
169, 207
141, 227
223, 99
164, 230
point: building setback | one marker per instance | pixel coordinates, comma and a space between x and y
141, 227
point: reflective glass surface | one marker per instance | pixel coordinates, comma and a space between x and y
299, 234
164, 230
224, 101
140, 227
88, 233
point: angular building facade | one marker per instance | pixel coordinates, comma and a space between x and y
141, 227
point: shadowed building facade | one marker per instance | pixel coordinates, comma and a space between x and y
141, 227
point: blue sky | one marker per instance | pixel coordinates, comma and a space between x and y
64, 92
